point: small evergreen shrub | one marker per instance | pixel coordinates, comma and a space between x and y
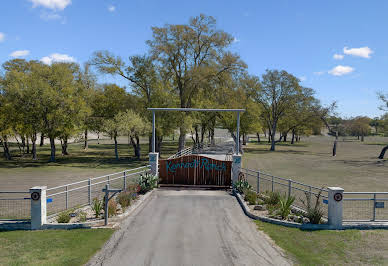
64, 217
112, 208
97, 207
124, 199
147, 182
313, 209
285, 204
82, 216
272, 199
242, 185
250, 196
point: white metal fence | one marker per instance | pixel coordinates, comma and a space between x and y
263, 182
15, 205
81, 193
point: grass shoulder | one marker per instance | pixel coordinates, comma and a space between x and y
51, 247
328, 247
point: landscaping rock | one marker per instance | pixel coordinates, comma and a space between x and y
305, 220
259, 208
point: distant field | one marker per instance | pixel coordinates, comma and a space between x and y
355, 168
21, 173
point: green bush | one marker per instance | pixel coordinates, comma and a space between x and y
82, 216
242, 185
272, 199
250, 196
313, 210
285, 204
97, 206
124, 199
64, 217
112, 208
147, 182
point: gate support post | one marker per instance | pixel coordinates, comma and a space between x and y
335, 199
236, 168
154, 162
38, 207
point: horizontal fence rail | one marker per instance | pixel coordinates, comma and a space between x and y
82, 193
15, 205
365, 206
263, 182
187, 151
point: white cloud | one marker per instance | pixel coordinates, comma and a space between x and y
51, 4
319, 73
364, 52
2, 37
303, 78
48, 60
20, 53
111, 8
338, 56
341, 70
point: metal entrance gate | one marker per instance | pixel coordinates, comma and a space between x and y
195, 170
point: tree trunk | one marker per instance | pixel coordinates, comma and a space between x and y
52, 144
4, 143
98, 137
362, 137
28, 145
293, 136
182, 139
86, 139
159, 140
358, 137
212, 140
116, 150
64, 147
41, 140
258, 137
383, 152
285, 137
33, 149
273, 137
136, 146
335, 148
244, 136
23, 143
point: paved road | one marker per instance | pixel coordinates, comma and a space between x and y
189, 227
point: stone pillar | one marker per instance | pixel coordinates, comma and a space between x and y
236, 167
38, 207
335, 199
154, 162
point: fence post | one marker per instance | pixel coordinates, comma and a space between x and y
38, 207
125, 180
272, 184
335, 198
289, 187
374, 207
67, 197
106, 204
258, 182
236, 168
108, 180
154, 162
90, 191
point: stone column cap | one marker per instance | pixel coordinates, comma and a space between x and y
38, 188
336, 188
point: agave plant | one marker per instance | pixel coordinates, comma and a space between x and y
285, 204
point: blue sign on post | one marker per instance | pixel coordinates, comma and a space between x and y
325, 201
379, 205
49, 200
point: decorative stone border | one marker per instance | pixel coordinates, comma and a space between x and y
309, 227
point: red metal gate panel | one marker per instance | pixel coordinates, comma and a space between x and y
195, 170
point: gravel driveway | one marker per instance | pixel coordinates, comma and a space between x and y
189, 227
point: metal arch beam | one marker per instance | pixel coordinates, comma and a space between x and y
197, 110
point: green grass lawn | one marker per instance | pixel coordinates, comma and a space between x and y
355, 168
51, 247
21, 172
349, 247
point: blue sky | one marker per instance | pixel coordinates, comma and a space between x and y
339, 48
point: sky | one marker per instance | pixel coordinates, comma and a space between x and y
338, 48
